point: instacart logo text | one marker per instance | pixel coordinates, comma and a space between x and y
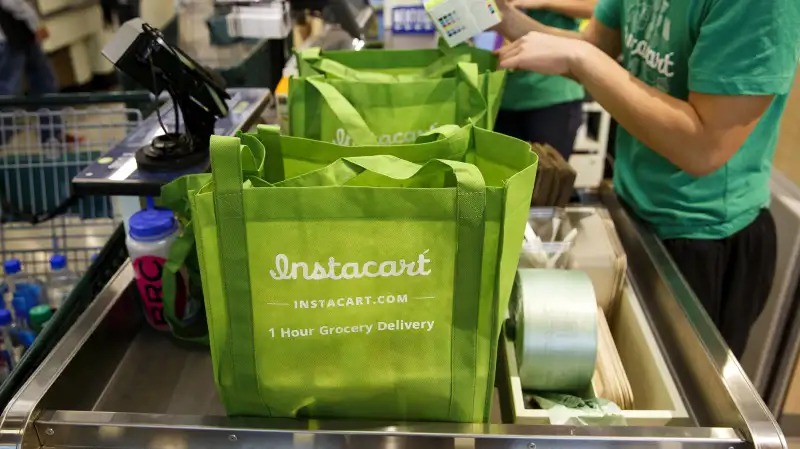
286, 270
344, 139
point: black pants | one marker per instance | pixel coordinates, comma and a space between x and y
555, 125
732, 277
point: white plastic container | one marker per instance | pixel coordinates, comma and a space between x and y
260, 21
60, 281
548, 239
151, 233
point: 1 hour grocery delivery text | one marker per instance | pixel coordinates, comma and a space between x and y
363, 329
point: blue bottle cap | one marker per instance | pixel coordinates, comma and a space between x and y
5, 317
26, 338
12, 266
58, 262
152, 224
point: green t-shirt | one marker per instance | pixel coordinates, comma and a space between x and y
722, 47
528, 90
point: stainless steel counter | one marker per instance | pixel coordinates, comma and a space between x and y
114, 383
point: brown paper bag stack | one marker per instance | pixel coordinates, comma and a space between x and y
598, 252
610, 380
555, 178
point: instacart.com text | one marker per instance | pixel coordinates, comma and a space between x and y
350, 302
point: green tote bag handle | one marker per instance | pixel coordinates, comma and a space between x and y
444, 142
345, 170
226, 171
337, 70
195, 331
175, 197
438, 69
334, 69
470, 99
444, 65
347, 114
234, 261
443, 132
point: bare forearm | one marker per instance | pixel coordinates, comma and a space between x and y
669, 126
579, 9
517, 24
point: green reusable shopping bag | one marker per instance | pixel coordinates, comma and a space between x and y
278, 159
369, 288
422, 62
401, 67
390, 113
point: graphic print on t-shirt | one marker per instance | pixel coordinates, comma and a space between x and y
712, 47
647, 32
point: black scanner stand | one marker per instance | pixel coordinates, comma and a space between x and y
141, 52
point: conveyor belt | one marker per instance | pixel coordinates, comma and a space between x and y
112, 382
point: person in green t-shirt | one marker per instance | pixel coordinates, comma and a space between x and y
541, 108
699, 98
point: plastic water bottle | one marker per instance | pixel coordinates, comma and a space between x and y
151, 233
7, 360
19, 281
26, 339
22, 304
60, 281
4, 294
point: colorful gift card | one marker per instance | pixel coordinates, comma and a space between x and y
460, 20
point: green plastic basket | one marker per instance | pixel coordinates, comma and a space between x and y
104, 267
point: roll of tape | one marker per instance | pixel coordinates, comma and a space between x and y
556, 332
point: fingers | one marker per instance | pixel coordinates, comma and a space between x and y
510, 62
510, 59
514, 55
507, 52
502, 50
509, 55
517, 44
509, 49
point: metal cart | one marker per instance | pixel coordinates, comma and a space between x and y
44, 143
